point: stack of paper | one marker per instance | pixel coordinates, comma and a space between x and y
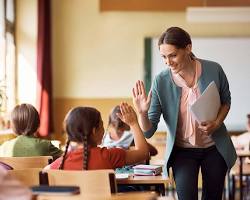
147, 170
122, 176
206, 107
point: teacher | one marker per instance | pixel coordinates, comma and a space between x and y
190, 145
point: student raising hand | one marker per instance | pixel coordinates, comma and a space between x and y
118, 133
140, 152
84, 128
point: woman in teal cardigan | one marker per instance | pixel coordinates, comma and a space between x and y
190, 145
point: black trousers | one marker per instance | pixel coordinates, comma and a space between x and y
186, 162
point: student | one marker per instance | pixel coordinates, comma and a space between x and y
11, 189
25, 122
190, 146
242, 141
84, 126
118, 133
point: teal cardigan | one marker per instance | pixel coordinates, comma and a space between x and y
166, 100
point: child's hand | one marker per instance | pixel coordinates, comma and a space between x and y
127, 114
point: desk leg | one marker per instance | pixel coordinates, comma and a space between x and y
232, 188
240, 174
229, 186
160, 188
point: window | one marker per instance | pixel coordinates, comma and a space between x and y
7, 60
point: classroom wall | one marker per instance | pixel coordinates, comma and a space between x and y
97, 57
94, 51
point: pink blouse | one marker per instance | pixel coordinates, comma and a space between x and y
188, 134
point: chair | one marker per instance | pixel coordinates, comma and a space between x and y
118, 196
233, 179
27, 162
90, 181
28, 176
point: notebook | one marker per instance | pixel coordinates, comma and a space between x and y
147, 170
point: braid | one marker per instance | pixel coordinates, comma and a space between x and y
79, 124
64, 155
85, 152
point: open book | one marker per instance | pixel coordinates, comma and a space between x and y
206, 107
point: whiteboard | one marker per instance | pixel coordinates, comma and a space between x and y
233, 54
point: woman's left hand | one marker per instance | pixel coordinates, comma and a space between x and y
208, 127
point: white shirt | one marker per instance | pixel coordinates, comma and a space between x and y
124, 142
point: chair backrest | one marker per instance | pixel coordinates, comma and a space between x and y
27, 162
118, 196
28, 176
245, 169
90, 181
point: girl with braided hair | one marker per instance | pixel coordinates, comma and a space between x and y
84, 126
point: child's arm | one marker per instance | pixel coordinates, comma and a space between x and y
140, 152
152, 150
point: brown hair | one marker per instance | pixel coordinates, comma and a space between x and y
114, 120
25, 119
79, 123
175, 36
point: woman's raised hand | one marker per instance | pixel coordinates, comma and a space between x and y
140, 100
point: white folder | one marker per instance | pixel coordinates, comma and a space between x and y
206, 107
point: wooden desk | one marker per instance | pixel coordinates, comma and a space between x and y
159, 182
118, 196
